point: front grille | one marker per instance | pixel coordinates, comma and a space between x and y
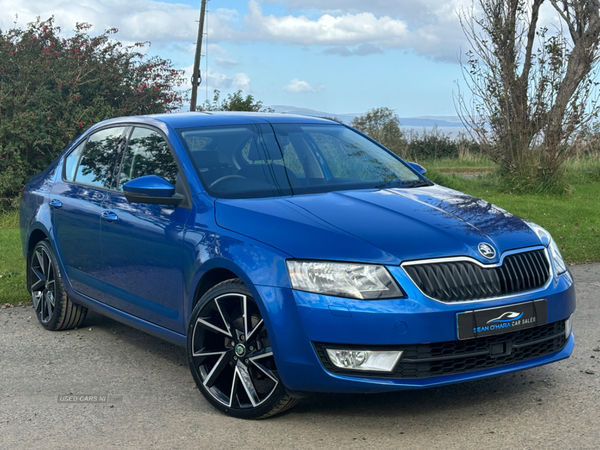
447, 358
458, 281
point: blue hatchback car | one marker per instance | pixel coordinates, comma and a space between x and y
289, 255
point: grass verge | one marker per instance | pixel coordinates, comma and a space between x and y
13, 288
573, 220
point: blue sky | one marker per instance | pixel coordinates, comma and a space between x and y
339, 56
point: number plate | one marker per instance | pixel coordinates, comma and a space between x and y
506, 319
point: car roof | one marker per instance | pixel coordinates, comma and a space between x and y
200, 119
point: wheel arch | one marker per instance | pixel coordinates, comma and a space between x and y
35, 236
214, 272
210, 279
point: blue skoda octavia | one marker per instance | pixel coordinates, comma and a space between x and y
289, 255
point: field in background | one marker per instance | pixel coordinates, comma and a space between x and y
573, 219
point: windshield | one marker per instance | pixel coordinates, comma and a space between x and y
262, 160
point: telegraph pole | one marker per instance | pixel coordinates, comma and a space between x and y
196, 79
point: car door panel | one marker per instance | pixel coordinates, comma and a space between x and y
142, 252
76, 227
143, 243
76, 203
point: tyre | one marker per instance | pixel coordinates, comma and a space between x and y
54, 310
230, 354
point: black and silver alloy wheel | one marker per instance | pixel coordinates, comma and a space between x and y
230, 354
43, 287
52, 306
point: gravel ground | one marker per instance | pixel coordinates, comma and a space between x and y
153, 403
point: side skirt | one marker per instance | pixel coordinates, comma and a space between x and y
127, 319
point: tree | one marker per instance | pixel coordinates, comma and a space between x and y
383, 125
53, 88
234, 102
532, 88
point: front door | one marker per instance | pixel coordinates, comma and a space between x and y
142, 244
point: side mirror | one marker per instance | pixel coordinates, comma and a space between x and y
151, 189
418, 167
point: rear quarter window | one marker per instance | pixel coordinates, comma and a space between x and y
71, 162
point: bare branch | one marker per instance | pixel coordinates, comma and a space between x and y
564, 14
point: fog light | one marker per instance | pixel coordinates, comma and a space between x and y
568, 327
371, 360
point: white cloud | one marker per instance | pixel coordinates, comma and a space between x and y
347, 29
226, 63
137, 20
361, 50
297, 86
241, 81
212, 80
218, 80
430, 27
415, 12
220, 56
215, 49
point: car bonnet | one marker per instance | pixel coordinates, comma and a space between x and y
381, 226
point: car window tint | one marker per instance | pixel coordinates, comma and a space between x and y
71, 162
290, 158
238, 161
347, 157
97, 163
147, 153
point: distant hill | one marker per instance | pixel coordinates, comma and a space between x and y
445, 124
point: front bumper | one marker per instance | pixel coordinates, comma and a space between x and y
298, 321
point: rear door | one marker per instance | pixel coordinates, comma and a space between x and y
88, 174
142, 244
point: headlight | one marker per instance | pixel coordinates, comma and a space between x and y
542, 233
362, 281
559, 263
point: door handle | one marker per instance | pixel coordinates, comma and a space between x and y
109, 216
55, 203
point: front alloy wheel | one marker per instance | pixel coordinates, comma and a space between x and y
230, 354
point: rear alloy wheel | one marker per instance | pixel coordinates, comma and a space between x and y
53, 308
230, 354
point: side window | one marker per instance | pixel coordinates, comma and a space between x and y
97, 163
147, 154
71, 162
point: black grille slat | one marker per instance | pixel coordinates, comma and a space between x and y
463, 281
453, 357
512, 275
522, 274
542, 264
532, 270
